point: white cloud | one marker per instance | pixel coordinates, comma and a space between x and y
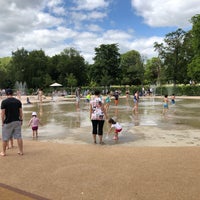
90, 4
53, 25
145, 45
159, 13
56, 7
93, 28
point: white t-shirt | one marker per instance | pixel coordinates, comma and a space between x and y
116, 126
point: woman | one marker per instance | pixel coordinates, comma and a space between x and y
97, 116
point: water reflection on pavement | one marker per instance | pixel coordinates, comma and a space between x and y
63, 123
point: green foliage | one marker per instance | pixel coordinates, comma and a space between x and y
71, 80
106, 68
178, 90
173, 53
194, 69
153, 71
132, 68
196, 33
194, 66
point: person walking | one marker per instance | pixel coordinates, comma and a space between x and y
12, 118
97, 116
116, 95
136, 101
34, 123
107, 101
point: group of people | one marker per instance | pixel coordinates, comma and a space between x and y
98, 115
166, 103
12, 117
12, 120
98, 112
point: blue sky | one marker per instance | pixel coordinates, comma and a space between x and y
53, 25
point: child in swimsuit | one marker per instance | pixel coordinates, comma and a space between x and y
173, 99
165, 104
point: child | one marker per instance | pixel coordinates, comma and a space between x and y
173, 99
165, 104
88, 97
34, 123
136, 101
116, 95
107, 101
116, 126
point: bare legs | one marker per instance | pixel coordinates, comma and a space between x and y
100, 139
20, 147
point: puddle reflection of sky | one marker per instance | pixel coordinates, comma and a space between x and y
61, 119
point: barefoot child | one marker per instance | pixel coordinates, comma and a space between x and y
165, 104
116, 126
34, 123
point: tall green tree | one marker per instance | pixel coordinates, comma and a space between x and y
19, 65
172, 53
4, 67
194, 66
106, 68
132, 68
154, 71
71, 62
36, 70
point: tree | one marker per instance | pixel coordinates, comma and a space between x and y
36, 70
4, 66
71, 62
153, 71
71, 81
132, 68
18, 65
172, 53
106, 68
194, 69
194, 66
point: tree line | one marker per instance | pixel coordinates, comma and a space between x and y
178, 62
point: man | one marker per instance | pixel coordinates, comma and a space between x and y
12, 117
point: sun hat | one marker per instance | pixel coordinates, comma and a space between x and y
34, 114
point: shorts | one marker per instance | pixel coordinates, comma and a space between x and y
35, 128
12, 129
165, 106
118, 130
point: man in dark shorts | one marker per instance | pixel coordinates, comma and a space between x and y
12, 116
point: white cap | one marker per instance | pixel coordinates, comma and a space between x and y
34, 114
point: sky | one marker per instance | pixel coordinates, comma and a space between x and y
54, 25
